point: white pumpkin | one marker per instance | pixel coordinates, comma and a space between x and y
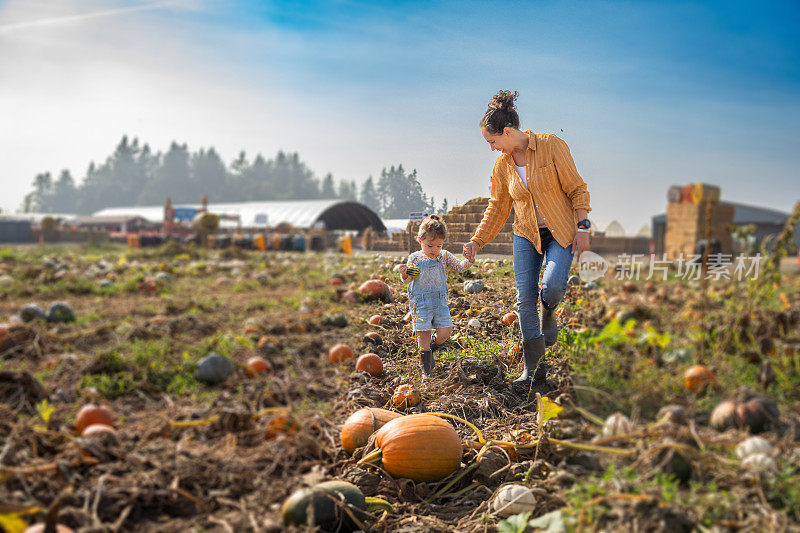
760, 462
513, 499
474, 323
617, 424
753, 445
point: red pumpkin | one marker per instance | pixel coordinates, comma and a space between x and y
509, 319
91, 414
340, 353
423, 448
370, 363
360, 426
697, 378
257, 365
375, 289
375, 320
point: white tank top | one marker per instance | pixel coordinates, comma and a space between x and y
523, 174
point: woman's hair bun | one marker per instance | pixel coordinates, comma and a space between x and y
504, 100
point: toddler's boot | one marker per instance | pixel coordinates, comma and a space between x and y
426, 360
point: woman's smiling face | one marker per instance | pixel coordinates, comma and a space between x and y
501, 141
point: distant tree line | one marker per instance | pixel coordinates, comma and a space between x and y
134, 175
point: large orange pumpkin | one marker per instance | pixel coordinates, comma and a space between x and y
370, 363
91, 414
406, 396
360, 426
375, 289
340, 353
697, 378
419, 447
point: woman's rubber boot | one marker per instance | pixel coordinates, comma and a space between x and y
532, 352
549, 326
426, 360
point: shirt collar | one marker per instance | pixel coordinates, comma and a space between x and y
531, 140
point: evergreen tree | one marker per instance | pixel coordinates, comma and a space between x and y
328, 187
369, 196
64, 194
443, 209
400, 194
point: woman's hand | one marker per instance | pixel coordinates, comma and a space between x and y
471, 250
580, 244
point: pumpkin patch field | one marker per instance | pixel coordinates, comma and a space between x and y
182, 389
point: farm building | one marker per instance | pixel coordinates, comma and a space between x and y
767, 222
301, 214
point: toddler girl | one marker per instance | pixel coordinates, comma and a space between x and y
427, 294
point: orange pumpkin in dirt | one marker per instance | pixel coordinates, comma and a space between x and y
375, 320
514, 354
256, 366
423, 448
509, 319
697, 378
340, 353
336, 281
282, 424
370, 363
91, 414
406, 396
360, 426
375, 289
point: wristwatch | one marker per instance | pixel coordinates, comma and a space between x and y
584, 224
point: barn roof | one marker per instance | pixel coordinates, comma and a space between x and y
745, 214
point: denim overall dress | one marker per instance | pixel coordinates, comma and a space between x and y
427, 295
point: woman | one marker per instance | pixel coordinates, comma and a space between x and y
536, 176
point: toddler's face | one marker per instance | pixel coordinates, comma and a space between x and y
431, 247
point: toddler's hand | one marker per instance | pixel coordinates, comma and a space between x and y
402, 270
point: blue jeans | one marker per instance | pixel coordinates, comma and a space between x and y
527, 264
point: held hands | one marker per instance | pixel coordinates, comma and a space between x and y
580, 243
403, 269
471, 250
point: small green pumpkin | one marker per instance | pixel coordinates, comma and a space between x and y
319, 503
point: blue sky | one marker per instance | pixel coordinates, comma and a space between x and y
646, 94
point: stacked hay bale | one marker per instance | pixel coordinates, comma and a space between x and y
692, 216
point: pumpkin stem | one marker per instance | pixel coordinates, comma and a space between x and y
475, 429
372, 457
378, 504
